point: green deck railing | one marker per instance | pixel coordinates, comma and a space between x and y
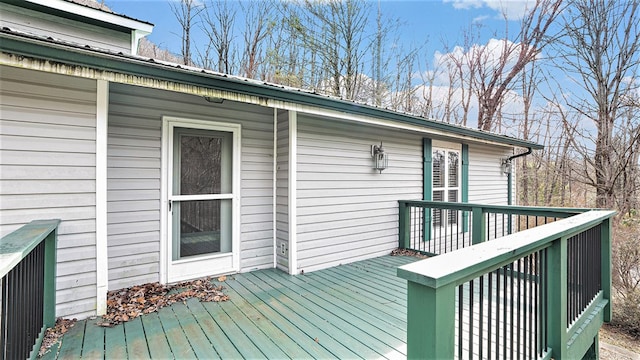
539, 293
434, 227
27, 276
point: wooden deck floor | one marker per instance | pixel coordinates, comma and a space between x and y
350, 311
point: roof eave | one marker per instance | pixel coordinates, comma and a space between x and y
132, 66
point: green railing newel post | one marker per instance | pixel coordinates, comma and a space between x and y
605, 265
49, 313
404, 225
430, 321
557, 298
478, 227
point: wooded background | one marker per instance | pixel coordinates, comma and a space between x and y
567, 77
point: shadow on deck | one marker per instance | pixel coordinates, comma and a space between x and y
350, 311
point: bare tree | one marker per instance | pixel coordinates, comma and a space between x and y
601, 49
186, 12
218, 25
256, 31
334, 34
496, 77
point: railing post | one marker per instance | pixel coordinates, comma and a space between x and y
430, 321
49, 311
605, 265
478, 227
404, 225
557, 298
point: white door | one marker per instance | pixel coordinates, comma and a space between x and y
201, 198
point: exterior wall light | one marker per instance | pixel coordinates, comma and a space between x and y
506, 166
380, 157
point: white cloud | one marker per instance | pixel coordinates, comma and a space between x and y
512, 9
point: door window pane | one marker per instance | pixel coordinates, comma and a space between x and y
200, 158
201, 227
202, 162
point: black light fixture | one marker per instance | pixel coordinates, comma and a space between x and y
380, 157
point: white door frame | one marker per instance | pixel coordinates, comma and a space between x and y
217, 264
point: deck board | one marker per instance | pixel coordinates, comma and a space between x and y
352, 311
93, 345
156, 339
114, 343
71, 347
178, 341
135, 338
304, 340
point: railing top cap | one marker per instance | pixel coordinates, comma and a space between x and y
16, 245
470, 262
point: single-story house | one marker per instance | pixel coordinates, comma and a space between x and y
163, 172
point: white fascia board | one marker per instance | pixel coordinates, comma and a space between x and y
85, 11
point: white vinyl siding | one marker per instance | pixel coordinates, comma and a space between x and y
347, 210
487, 182
282, 192
134, 178
47, 171
37, 23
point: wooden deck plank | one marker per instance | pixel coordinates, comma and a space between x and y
387, 266
370, 336
334, 334
223, 346
93, 345
245, 346
200, 344
303, 339
394, 314
115, 344
379, 289
178, 342
358, 309
71, 347
311, 329
156, 339
377, 274
284, 342
390, 307
258, 336
392, 325
136, 341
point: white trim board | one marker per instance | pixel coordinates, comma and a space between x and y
102, 259
293, 177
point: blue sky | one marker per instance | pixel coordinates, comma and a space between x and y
437, 22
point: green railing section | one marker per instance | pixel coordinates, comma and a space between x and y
28, 275
435, 227
530, 284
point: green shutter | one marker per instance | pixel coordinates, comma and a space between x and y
464, 197
427, 184
427, 176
